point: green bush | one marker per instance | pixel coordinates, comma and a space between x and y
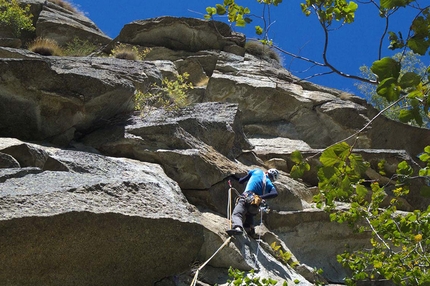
79, 48
241, 279
14, 18
170, 95
283, 256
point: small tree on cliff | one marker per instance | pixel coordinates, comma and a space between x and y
390, 83
14, 18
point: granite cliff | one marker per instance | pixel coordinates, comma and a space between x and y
93, 193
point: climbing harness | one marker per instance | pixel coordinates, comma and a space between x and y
262, 207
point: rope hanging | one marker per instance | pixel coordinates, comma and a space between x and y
229, 202
229, 211
259, 236
193, 283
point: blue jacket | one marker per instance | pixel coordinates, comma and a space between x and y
255, 184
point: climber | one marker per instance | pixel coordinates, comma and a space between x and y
258, 188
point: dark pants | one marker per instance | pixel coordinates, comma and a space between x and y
241, 217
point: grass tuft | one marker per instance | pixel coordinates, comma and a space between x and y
64, 4
45, 47
127, 52
262, 51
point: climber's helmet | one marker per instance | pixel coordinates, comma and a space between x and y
273, 174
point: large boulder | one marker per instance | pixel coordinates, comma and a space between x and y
50, 98
63, 25
187, 34
179, 141
196, 146
92, 219
276, 104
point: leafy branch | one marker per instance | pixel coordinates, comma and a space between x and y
399, 241
170, 95
328, 12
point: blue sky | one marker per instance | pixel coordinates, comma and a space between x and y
350, 47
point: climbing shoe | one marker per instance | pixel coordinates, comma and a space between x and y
234, 231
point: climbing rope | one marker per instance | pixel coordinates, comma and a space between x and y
193, 283
229, 202
259, 234
229, 215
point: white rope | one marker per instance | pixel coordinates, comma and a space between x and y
193, 283
229, 214
230, 204
259, 235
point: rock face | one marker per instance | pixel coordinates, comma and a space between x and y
55, 97
181, 34
106, 196
86, 218
62, 25
53, 20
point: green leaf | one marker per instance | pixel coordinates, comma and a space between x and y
418, 45
296, 172
358, 164
335, 154
211, 11
409, 79
390, 4
352, 6
388, 88
424, 157
377, 264
326, 173
412, 218
296, 157
396, 42
240, 22
361, 191
406, 115
220, 9
258, 30
404, 168
386, 68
